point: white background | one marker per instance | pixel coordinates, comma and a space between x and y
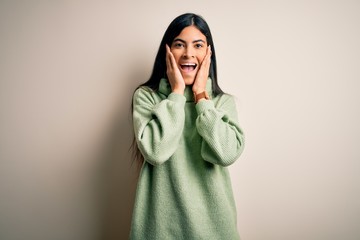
67, 73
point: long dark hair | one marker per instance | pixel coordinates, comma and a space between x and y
159, 69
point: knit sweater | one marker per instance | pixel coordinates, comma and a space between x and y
184, 189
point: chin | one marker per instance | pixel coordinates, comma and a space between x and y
189, 80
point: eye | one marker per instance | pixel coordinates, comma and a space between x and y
178, 45
199, 45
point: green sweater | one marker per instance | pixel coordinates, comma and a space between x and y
184, 189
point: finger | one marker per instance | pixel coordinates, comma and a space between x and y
207, 59
168, 58
208, 53
172, 60
205, 64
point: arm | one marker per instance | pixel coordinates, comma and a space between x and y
223, 139
157, 126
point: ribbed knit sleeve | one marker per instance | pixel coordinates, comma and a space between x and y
158, 126
223, 139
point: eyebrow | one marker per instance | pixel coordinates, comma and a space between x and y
195, 41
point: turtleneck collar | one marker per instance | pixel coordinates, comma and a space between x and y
165, 88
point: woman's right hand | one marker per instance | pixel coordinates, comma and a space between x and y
174, 75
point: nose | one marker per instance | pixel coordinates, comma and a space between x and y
189, 52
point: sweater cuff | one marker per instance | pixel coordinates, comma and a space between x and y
178, 98
204, 105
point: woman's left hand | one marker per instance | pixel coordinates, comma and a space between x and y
203, 73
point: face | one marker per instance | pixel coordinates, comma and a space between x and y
189, 50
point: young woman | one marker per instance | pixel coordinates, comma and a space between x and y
186, 132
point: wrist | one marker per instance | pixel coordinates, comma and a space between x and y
199, 86
199, 91
178, 91
201, 96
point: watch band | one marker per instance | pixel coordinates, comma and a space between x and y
201, 95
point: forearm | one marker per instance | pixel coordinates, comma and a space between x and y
223, 139
158, 127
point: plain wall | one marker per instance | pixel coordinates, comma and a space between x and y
67, 73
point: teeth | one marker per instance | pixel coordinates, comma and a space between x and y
188, 66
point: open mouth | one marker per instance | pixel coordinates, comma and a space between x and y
188, 67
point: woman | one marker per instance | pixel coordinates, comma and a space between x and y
186, 132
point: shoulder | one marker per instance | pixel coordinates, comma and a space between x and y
224, 99
142, 90
144, 94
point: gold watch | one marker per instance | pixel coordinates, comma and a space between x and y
201, 95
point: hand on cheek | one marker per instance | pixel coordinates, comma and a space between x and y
174, 75
203, 73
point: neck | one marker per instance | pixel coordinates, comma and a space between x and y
165, 88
